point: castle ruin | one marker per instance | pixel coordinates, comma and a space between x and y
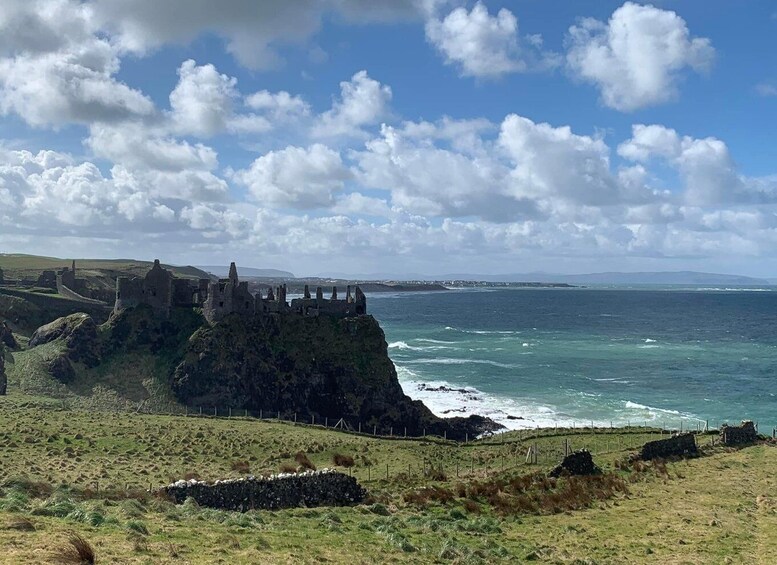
160, 290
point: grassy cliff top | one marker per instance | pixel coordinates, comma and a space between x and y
718, 508
17, 265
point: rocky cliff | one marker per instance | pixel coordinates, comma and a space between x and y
312, 367
3, 379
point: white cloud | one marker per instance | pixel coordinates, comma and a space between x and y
637, 58
49, 190
766, 89
486, 46
705, 165
553, 162
55, 69
363, 101
433, 181
253, 32
138, 146
278, 105
202, 101
296, 177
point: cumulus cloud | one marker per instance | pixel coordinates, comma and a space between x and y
55, 70
50, 190
202, 101
253, 32
429, 180
706, 166
296, 177
363, 101
637, 58
482, 45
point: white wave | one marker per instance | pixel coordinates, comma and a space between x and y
452, 361
399, 345
438, 341
483, 332
648, 340
648, 346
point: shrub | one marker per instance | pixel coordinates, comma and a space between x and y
304, 461
342, 460
241, 467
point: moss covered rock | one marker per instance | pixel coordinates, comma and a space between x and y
79, 333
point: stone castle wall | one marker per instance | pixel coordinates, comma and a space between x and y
160, 290
312, 488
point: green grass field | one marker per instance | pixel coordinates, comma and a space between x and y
67, 471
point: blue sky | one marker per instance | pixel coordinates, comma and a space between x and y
396, 136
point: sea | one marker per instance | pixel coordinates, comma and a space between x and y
674, 357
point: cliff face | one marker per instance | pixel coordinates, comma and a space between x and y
322, 367
318, 368
3, 379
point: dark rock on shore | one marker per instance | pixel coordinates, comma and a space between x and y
62, 369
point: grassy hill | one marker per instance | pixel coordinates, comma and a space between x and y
76, 470
16, 266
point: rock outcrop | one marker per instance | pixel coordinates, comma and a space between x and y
6, 336
312, 488
579, 463
79, 333
3, 378
318, 368
679, 445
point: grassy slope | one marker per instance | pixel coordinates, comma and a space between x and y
714, 509
16, 265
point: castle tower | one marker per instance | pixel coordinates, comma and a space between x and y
270, 295
73, 268
319, 293
334, 293
307, 293
233, 273
348, 298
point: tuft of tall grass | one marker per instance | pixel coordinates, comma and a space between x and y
77, 551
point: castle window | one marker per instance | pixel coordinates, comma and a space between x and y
221, 304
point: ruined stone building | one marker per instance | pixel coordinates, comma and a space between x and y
163, 292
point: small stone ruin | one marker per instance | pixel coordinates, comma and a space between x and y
325, 487
679, 445
576, 463
738, 435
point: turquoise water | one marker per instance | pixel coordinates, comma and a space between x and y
573, 356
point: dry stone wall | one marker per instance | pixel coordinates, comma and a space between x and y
576, 463
286, 490
678, 445
738, 435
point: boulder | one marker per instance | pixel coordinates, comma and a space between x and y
579, 463
79, 333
